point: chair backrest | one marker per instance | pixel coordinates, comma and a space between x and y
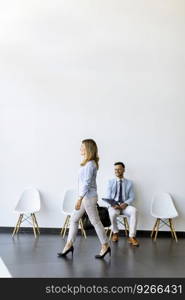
69, 200
29, 201
163, 206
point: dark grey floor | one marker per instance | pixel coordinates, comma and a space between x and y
26, 256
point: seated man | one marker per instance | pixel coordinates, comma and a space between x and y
120, 189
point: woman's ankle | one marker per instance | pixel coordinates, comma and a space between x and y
105, 246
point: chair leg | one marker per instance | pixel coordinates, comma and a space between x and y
154, 228
16, 226
33, 222
126, 226
64, 226
173, 229
20, 221
37, 226
67, 223
82, 228
157, 229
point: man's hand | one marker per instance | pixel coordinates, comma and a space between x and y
116, 206
78, 204
123, 205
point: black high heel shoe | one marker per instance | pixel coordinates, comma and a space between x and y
71, 249
103, 255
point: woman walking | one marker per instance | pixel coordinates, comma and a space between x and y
87, 200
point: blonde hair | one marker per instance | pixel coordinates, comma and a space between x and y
91, 152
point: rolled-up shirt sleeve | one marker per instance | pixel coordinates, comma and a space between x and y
86, 180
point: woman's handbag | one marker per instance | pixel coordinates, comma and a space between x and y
104, 217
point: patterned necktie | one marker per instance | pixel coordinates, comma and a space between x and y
120, 198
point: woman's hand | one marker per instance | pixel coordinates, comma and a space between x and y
78, 204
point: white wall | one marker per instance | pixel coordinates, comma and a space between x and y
112, 70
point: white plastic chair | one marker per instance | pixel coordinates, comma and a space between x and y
68, 206
163, 209
27, 206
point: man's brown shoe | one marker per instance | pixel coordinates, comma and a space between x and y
115, 237
133, 241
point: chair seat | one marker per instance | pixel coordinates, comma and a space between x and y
167, 216
67, 213
25, 211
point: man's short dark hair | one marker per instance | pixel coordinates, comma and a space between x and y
120, 163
